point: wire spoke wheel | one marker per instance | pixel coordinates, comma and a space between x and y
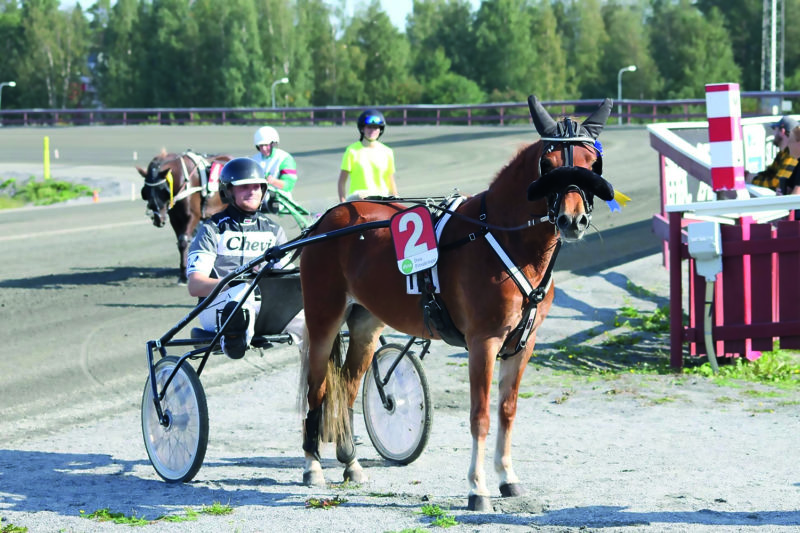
176, 448
400, 431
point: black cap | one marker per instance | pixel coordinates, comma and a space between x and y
786, 123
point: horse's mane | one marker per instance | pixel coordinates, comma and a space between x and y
525, 158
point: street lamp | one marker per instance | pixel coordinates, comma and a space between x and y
4, 84
629, 68
274, 83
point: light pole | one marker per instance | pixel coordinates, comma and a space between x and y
274, 83
4, 84
629, 68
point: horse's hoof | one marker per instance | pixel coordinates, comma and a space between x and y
511, 489
315, 478
355, 475
479, 503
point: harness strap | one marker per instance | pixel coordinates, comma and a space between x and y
535, 297
472, 236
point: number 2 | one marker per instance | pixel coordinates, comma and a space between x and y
412, 247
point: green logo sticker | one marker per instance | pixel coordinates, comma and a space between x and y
407, 266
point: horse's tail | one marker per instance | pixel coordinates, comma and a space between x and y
335, 416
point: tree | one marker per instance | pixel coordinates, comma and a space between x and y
315, 17
550, 83
10, 43
693, 50
118, 80
505, 57
52, 53
585, 38
628, 44
173, 74
429, 30
742, 22
379, 60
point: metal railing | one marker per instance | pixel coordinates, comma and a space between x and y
632, 112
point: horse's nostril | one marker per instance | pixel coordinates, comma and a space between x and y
563, 221
582, 222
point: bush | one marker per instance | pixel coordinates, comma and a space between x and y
43, 192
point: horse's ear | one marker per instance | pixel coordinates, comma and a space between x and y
545, 125
595, 122
142, 172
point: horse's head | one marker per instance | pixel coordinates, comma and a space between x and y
570, 168
157, 189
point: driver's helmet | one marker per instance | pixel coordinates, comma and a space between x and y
372, 117
266, 135
240, 171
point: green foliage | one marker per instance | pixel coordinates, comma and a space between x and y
11, 528
657, 321
693, 49
324, 503
440, 518
216, 509
190, 515
227, 53
778, 368
105, 515
43, 192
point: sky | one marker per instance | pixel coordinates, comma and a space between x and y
396, 9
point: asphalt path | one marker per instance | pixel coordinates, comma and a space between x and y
84, 285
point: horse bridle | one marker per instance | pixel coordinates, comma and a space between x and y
154, 200
567, 144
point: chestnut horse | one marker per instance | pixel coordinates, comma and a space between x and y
172, 189
494, 249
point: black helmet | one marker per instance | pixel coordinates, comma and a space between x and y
240, 171
373, 117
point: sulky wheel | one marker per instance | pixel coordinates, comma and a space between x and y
400, 431
177, 448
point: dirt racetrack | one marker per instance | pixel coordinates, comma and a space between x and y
84, 286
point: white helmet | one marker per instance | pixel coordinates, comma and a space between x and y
266, 135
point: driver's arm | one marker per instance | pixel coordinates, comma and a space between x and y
201, 285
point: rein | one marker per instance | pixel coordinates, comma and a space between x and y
429, 202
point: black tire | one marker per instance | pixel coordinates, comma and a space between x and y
400, 433
176, 450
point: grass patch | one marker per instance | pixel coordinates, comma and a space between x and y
217, 509
45, 192
440, 518
190, 515
780, 368
106, 515
324, 503
11, 528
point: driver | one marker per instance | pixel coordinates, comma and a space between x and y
280, 168
228, 240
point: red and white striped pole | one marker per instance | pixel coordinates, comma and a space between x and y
724, 111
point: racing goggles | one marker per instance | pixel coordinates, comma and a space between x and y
373, 120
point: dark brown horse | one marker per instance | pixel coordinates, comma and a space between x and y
495, 259
173, 189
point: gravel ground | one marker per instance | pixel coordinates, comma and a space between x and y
612, 453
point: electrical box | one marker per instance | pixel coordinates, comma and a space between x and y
705, 246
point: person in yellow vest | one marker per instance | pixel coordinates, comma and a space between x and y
367, 165
778, 172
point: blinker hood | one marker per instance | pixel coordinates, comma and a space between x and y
560, 178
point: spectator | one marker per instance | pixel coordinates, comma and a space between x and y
367, 165
774, 176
